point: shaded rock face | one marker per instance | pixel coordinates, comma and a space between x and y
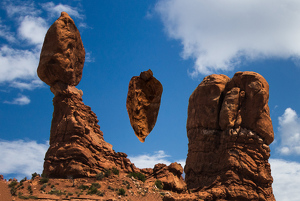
143, 102
77, 147
229, 131
62, 56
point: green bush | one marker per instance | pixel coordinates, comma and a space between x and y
13, 191
34, 175
44, 180
12, 184
43, 187
121, 191
115, 171
100, 176
158, 184
97, 185
83, 187
94, 188
107, 173
137, 175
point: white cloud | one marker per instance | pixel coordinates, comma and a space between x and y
31, 85
16, 8
55, 10
289, 130
286, 179
6, 34
21, 100
33, 29
149, 160
22, 158
17, 64
218, 35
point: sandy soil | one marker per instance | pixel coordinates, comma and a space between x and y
4, 191
108, 189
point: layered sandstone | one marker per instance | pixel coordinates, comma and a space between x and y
77, 147
229, 130
170, 176
143, 102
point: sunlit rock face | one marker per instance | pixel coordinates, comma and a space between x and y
62, 56
229, 130
143, 102
77, 147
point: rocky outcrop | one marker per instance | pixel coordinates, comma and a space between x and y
77, 147
229, 131
170, 176
143, 102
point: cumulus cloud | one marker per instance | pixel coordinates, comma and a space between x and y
286, 179
149, 160
22, 158
219, 35
55, 10
17, 64
21, 100
289, 130
33, 29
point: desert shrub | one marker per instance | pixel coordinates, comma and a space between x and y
100, 176
29, 189
44, 180
13, 191
137, 175
25, 179
56, 192
111, 188
97, 185
43, 187
12, 184
158, 184
107, 173
83, 187
121, 191
34, 175
93, 188
115, 171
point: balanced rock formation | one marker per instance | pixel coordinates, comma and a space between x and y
77, 147
229, 130
143, 102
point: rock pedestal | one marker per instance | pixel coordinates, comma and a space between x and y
77, 147
229, 131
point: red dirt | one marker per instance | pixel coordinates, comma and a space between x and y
4, 191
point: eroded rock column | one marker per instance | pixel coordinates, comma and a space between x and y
229, 130
77, 147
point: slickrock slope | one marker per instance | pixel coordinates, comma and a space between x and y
143, 102
229, 130
77, 147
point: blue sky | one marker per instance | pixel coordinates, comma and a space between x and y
181, 42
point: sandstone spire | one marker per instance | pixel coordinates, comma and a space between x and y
143, 102
77, 147
229, 129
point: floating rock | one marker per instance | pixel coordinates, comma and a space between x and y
143, 102
62, 56
229, 129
